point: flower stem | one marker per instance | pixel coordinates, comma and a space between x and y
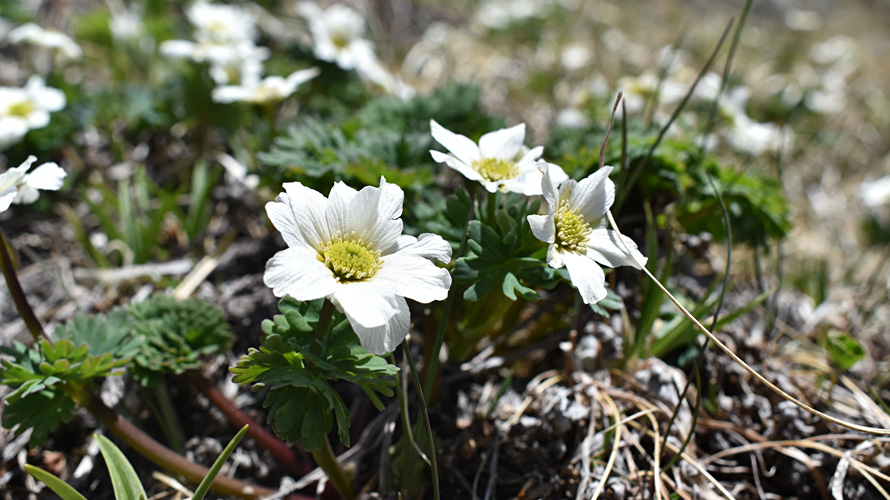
433, 361
328, 462
17, 293
278, 448
426, 418
325, 456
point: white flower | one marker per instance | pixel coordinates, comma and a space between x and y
575, 228
875, 193
23, 109
349, 248
268, 90
500, 161
48, 39
221, 24
19, 186
337, 35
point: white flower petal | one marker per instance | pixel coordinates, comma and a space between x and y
374, 215
542, 227
502, 144
385, 338
604, 247
296, 271
300, 77
549, 188
593, 196
414, 277
366, 303
177, 48
460, 146
456, 164
337, 211
428, 246
49, 177
299, 214
587, 276
531, 156
6, 198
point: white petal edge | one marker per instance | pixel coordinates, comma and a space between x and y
414, 277
298, 272
49, 177
503, 144
367, 303
385, 338
373, 214
542, 227
460, 145
604, 247
587, 276
593, 196
427, 245
457, 164
299, 215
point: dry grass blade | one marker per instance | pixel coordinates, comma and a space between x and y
734, 357
616, 443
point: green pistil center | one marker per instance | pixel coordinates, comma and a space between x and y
494, 169
571, 229
350, 258
21, 109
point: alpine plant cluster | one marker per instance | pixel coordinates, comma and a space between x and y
349, 248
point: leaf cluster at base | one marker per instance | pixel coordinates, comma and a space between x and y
298, 370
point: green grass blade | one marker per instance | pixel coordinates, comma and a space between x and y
60, 487
217, 465
123, 478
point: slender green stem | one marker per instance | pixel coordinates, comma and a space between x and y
17, 293
325, 456
324, 322
433, 361
491, 206
426, 418
328, 462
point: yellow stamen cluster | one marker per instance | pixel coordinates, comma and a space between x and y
21, 109
494, 169
571, 229
350, 258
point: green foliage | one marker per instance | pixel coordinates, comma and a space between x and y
387, 136
45, 378
842, 349
175, 336
298, 370
677, 174
57, 485
503, 251
123, 477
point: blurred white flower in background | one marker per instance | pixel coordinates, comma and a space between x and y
266, 91
26, 108
17, 185
60, 44
499, 14
337, 35
224, 37
338, 38
875, 193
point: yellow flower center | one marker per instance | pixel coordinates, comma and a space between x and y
350, 258
571, 229
494, 169
21, 109
340, 39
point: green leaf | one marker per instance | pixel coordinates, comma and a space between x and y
843, 350
204, 486
60, 487
123, 477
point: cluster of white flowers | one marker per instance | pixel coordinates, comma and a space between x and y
225, 39
349, 248
19, 186
338, 37
26, 108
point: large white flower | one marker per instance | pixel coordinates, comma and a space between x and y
19, 186
349, 248
268, 90
575, 228
337, 35
500, 161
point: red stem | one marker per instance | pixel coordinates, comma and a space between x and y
279, 449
